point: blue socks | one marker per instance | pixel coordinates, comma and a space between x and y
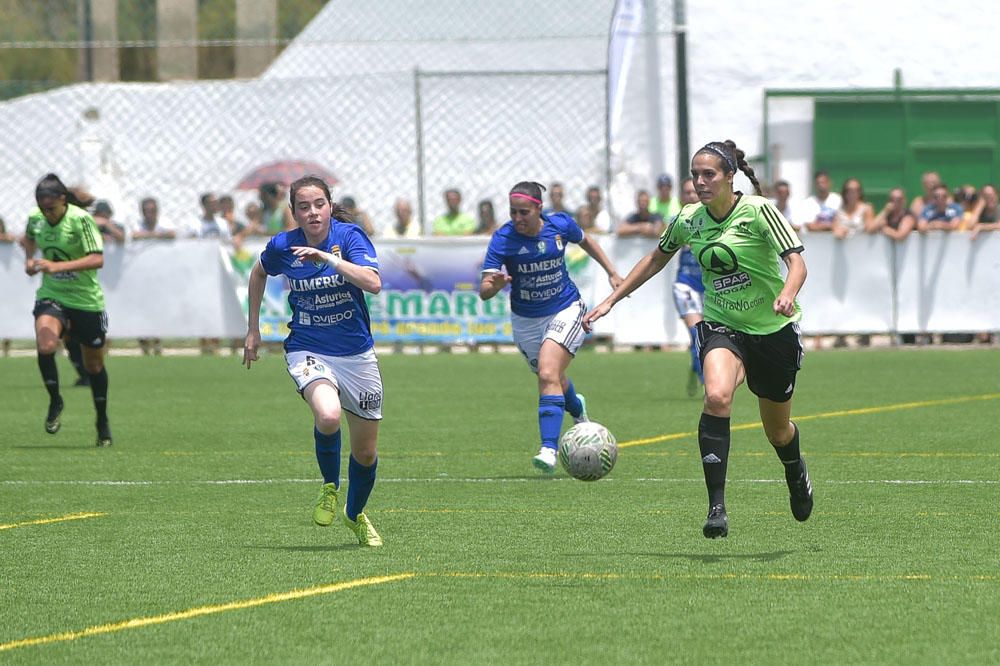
360, 481
550, 417
328, 455
573, 404
695, 360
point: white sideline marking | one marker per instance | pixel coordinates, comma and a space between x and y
501, 480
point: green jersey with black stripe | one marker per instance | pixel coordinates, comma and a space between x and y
73, 237
739, 257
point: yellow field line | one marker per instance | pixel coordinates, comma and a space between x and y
824, 415
136, 623
46, 521
720, 576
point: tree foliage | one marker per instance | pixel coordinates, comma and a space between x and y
59, 21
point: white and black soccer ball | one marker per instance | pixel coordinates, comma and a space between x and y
588, 451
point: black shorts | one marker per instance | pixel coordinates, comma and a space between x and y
88, 328
771, 361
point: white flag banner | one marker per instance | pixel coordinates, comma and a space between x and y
626, 25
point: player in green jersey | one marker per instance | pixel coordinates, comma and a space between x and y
750, 330
70, 298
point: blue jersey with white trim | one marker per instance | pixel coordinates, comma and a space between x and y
540, 284
329, 314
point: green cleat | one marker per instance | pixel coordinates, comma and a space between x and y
363, 529
326, 505
582, 418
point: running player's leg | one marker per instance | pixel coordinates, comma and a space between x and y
323, 399
361, 393
75, 353
553, 359
784, 437
90, 330
361, 478
48, 329
776, 361
724, 372
691, 321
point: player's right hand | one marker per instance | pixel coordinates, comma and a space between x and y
30, 267
594, 315
250, 347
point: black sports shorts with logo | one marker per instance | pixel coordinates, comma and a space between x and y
88, 328
771, 361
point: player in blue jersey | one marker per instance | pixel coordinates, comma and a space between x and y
329, 264
689, 294
547, 311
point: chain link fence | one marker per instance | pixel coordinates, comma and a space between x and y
490, 107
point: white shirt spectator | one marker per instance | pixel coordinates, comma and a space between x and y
813, 209
209, 228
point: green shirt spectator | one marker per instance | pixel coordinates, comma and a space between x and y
454, 222
665, 203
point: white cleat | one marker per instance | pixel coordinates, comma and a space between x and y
545, 461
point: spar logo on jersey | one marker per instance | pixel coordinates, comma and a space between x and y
720, 259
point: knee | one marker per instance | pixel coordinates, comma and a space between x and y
779, 436
328, 421
366, 458
93, 365
549, 377
718, 402
47, 345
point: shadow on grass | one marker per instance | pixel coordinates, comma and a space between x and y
312, 549
56, 447
715, 558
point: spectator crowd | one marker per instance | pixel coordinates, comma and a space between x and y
843, 214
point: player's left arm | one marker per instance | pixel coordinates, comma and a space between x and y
780, 235
362, 272
785, 302
594, 249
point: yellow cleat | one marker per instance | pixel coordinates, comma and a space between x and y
326, 505
363, 529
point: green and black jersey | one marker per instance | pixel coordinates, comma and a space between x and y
73, 237
739, 261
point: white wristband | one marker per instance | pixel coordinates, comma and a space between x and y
334, 261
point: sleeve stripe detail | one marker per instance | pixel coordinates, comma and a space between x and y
792, 250
777, 228
90, 243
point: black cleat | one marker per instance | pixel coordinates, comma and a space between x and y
717, 524
800, 493
52, 422
103, 435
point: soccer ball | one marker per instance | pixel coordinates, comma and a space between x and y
588, 451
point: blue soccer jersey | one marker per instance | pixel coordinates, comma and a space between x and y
540, 284
689, 270
329, 314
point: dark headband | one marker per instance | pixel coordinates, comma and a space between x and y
721, 153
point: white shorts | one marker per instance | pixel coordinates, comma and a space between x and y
356, 378
688, 300
565, 327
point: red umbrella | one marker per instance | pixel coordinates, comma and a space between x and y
284, 172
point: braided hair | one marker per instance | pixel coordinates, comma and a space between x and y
52, 186
733, 159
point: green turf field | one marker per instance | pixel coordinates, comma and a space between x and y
191, 539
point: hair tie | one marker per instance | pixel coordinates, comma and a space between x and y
518, 195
